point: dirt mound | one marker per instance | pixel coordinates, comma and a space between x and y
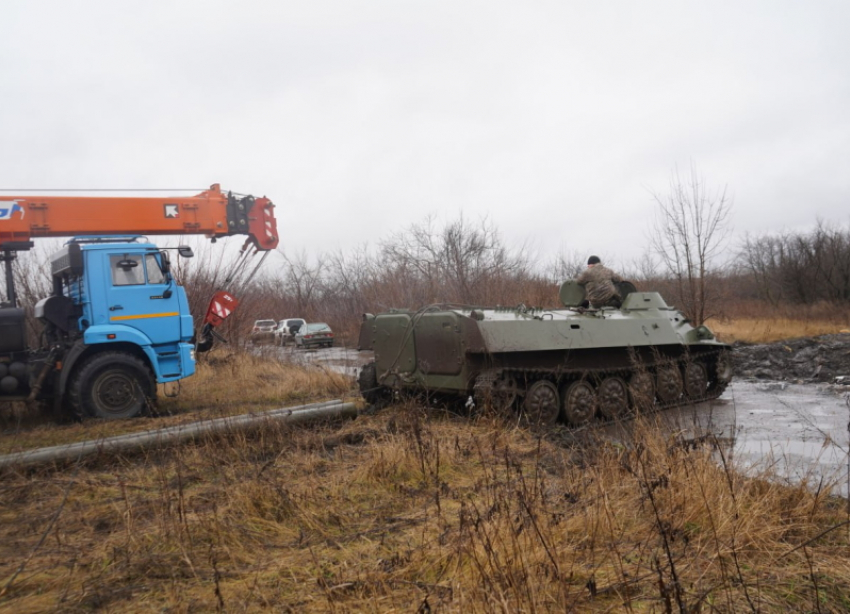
810, 359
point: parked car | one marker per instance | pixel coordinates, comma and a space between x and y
286, 329
316, 334
263, 331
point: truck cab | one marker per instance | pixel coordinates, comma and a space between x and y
116, 324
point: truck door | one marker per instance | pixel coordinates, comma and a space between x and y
139, 295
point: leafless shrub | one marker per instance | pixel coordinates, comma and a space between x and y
689, 233
799, 267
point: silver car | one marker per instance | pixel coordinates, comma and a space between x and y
317, 334
263, 331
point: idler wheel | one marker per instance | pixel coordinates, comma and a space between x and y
696, 381
613, 397
668, 383
642, 391
542, 403
579, 403
374, 393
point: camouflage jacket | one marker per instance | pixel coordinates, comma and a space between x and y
598, 284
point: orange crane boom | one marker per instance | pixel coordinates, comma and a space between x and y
212, 213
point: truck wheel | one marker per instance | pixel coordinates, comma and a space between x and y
112, 385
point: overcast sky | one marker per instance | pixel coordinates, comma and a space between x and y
557, 120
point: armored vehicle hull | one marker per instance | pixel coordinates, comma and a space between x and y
570, 364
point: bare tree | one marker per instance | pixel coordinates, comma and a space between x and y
565, 265
302, 281
458, 262
761, 258
800, 267
689, 231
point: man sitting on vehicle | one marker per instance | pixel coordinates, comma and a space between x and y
598, 282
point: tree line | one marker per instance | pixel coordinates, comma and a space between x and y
688, 259
468, 263
799, 267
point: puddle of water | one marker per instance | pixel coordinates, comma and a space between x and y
341, 360
798, 431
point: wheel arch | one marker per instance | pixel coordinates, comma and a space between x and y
80, 353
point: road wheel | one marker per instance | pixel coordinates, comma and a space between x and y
579, 403
499, 392
542, 404
696, 381
613, 397
642, 391
112, 385
668, 383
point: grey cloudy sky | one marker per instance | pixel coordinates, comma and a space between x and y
555, 119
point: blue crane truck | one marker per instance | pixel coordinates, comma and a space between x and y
116, 323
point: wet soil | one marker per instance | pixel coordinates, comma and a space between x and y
784, 416
824, 359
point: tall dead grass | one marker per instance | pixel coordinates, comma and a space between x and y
408, 511
757, 330
759, 322
226, 383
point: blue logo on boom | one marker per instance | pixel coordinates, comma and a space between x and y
8, 208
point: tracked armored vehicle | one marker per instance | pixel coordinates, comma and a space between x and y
570, 364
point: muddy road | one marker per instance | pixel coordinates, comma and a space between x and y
786, 412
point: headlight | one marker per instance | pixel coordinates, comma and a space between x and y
703, 332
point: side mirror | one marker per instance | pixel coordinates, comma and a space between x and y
185, 251
164, 262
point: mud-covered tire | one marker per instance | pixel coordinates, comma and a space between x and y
542, 405
720, 374
370, 390
696, 381
580, 403
112, 386
641, 391
668, 383
613, 398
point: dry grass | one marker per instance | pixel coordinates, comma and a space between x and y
759, 322
404, 509
768, 330
407, 511
224, 384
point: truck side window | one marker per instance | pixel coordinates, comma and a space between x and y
155, 275
127, 270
